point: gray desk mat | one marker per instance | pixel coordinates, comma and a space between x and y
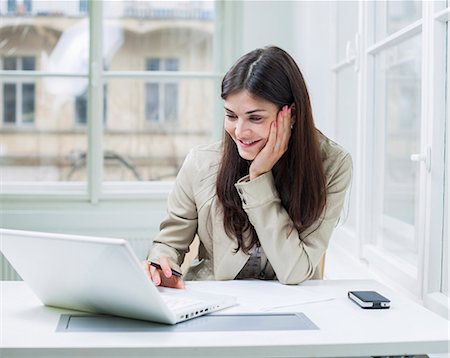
209, 323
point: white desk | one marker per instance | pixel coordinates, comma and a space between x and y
28, 330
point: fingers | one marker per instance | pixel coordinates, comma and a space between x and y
152, 272
272, 140
276, 145
164, 276
165, 266
284, 130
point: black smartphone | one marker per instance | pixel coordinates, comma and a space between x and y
369, 299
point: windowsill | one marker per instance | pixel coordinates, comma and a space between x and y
78, 191
341, 263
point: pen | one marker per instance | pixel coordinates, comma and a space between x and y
174, 272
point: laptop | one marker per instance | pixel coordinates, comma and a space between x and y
99, 275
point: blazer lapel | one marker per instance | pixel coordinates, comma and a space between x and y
227, 263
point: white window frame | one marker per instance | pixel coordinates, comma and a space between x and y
349, 235
436, 238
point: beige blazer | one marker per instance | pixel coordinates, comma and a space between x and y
193, 209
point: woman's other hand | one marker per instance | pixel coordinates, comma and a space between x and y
276, 146
163, 277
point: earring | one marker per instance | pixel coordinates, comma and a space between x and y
292, 125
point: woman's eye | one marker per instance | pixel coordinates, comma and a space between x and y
230, 116
255, 119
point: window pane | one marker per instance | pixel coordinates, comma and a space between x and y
346, 128
171, 64
11, 6
152, 102
10, 63
28, 63
145, 150
28, 103
347, 26
9, 103
397, 128
140, 30
391, 16
81, 108
152, 124
43, 36
54, 148
28, 6
152, 64
170, 102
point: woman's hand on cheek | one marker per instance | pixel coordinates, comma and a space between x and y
276, 146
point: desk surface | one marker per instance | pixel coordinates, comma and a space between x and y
29, 329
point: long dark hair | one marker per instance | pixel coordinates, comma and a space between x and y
271, 73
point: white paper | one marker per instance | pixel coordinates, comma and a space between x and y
260, 296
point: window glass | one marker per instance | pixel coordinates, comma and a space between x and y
152, 102
28, 91
346, 129
154, 122
53, 147
170, 102
152, 150
392, 16
397, 129
347, 26
43, 36
9, 103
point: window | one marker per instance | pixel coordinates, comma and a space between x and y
83, 6
20, 7
11, 6
392, 16
346, 70
161, 104
18, 97
27, 5
397, 129
403, 92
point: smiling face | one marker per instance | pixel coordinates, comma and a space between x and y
247, 121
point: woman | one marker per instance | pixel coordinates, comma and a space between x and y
264, 202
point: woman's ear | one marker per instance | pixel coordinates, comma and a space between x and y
293, 110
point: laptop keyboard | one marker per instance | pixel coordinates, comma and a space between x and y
182, 303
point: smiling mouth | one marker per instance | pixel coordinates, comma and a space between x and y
247, 143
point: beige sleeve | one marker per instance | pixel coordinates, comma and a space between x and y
293, 259
178, 229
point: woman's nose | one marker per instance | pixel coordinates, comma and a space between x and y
241, 126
